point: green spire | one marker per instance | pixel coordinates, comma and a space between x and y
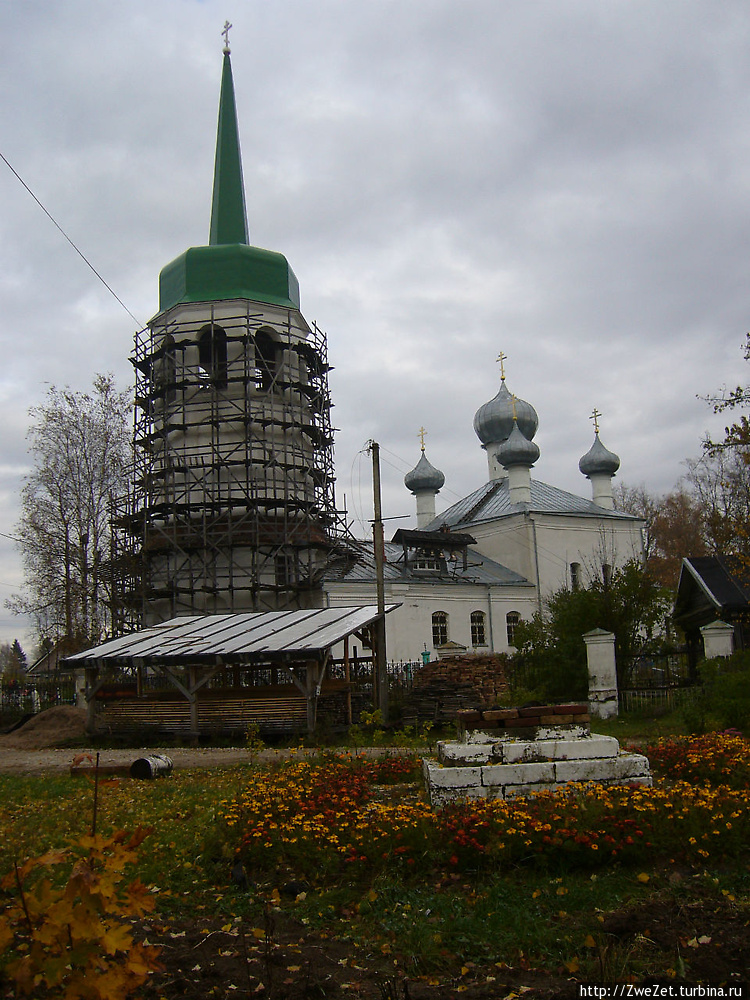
228, 216
228, 268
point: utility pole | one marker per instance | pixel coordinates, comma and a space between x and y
380, 663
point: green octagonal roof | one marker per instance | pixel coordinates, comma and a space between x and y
231, 271
228, 268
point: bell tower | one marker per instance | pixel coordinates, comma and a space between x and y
234, 502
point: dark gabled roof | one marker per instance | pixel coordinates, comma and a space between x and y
429, 539
234, 638
357, 565
492, 500
724, 580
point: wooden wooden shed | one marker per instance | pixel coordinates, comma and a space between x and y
216, 674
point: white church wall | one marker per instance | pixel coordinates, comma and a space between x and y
544, 546
589, 543
409, 627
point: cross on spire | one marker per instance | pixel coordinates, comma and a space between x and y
502, 358
420, 434
595, 417
513, 402
225, 35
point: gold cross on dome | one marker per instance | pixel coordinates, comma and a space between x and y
595, 417
502, 358
513, 401
225, 35
420, 434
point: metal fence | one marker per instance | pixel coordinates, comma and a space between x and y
22, 698
658, 670
657, 700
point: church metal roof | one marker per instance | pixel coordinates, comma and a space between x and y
234, 638
360, 568
492, 500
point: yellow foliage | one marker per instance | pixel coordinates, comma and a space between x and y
72, 941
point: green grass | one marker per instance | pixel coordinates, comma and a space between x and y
640, 728
429, 924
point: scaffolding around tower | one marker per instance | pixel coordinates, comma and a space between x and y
232, 506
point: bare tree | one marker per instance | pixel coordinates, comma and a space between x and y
720, 482
80, 447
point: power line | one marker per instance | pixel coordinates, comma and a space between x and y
79, 252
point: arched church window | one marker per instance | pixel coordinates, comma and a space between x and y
478, 629
575, 576
606, 574
266, 359
165, 369
439, 628
212, 354
511, 624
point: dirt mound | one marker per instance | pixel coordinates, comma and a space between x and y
55, 727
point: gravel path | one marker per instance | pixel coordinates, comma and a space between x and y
14, 761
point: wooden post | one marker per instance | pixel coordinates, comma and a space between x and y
91, 674
380, 661
193, 697
311, 682
348, 679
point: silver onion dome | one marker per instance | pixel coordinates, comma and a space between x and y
423, 477
493, 422
517, 450
598, 460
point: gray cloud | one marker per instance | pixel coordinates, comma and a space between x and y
566, 182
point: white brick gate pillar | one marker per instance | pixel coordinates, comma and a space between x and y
718, 639
600, 653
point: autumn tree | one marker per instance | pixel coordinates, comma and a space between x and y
675, 527
79, 444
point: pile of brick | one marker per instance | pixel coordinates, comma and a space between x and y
444, 687
525, 722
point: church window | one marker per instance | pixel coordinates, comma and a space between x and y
511, 623
426, 562
606, 574
265, 359
212, 354
575, 576
284, 569
439, 628
478, 629
165, 369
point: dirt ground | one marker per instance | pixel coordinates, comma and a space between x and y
705, 941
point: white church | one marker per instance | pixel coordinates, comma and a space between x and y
465, 577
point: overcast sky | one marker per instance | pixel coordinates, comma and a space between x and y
565, 181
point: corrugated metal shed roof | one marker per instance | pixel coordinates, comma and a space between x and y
492, 500
360, 568
235, 638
